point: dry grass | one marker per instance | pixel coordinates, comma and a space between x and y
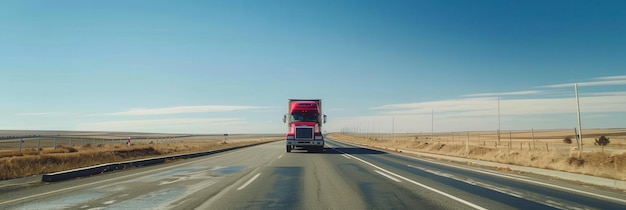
595, 163
14, 164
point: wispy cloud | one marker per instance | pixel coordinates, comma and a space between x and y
158, 124
481, 114
528, 92
621, 77
615, 93
180, 110
41, 114
488, 106
476, 105
599, 81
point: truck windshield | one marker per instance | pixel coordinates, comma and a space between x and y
304, 117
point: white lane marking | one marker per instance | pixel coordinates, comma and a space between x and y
249, 181
387, 175
530, 181
84, 207
280, 156
121, 177
109, 202
123, 195
519, 178
472, 182
344, 155
170, 182
417, 183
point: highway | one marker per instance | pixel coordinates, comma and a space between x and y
343, 177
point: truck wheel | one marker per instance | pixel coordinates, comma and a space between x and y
288, 148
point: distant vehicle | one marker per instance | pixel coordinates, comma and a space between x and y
305, 119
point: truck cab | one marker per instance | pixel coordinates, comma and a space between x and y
304, 121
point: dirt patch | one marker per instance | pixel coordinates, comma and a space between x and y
136, 152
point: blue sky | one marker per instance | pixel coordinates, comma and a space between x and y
230, 66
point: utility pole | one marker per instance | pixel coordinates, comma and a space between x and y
432, 123
498, 120
579, 137
393, 127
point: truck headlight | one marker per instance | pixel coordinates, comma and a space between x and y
319, 138
290, 138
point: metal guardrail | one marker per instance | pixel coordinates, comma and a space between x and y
103, 168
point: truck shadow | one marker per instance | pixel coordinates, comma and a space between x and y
342, 150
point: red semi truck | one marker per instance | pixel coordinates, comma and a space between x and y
305, 120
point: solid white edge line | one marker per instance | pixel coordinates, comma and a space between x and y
532, 181
521, 179
249, 181
524, 180
345, 156
387, 175
420, 184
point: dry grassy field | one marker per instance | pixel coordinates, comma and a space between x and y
60, 151
539, 148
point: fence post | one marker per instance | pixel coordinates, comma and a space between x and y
498, 142
38, 144
54, 143
532, 134
21, 142
452, 136
82, 142
71, 142
510, 141
467, 144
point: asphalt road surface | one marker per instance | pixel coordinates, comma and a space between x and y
342, 177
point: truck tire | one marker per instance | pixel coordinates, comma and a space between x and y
288, 148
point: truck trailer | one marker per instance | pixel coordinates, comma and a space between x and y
304, 121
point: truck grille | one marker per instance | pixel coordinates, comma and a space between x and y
304, 133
